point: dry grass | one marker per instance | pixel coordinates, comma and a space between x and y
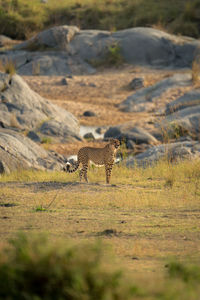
102, 92
8, 66
144, 218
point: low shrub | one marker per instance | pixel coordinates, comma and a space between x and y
33, 268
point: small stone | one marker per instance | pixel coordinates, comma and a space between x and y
130, 145
89, 136
89, 113
64, 81
33, 136
92, 84
136, 83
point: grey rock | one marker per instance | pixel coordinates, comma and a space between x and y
148, 46
128, 132
90, 44
64, 81
19, 152
46, 64
89, 113
34, 136
57, 37
101, 130
58, 63
191, 98
74, 51
136, 83
130, 145
172, 152
146, 98
187, 118
29, 110
139, 46
2, 124
58, 130
17, 58
4, 40
89, 136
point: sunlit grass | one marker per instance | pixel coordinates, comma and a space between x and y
33, 175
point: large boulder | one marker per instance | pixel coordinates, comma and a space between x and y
146, 98
129, 132
90, 45
73, 50
46, 63
139, 46
57, 37
23, 108
171, 152
19, 152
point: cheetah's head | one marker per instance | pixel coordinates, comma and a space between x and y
115, 143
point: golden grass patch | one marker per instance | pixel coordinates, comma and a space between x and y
144, 219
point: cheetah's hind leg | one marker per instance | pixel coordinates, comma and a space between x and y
83, 172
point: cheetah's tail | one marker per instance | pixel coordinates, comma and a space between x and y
68, 165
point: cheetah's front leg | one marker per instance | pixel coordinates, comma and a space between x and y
108, 168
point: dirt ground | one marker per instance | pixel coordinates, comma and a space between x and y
144, 223
101, 93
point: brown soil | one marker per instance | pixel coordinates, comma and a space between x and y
100, 93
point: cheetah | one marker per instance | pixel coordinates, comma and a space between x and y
99, 156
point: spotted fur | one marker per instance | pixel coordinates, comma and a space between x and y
99, 156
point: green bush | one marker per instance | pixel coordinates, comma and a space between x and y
187, 273
21, 19
32, 268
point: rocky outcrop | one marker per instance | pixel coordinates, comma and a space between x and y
57, 38
63, 50
18, 152
189, 99
171, 152
22, 108
146, 98
183, 115
128, 132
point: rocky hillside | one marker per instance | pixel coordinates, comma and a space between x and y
163, 111
67, 50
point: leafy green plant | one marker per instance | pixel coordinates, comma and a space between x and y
112, 57
40, 208
46, 140
187, 273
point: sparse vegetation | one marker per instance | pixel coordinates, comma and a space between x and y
79, 272
8, 66
46, 140
149, 216
112, 57
20, 19
35, 269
